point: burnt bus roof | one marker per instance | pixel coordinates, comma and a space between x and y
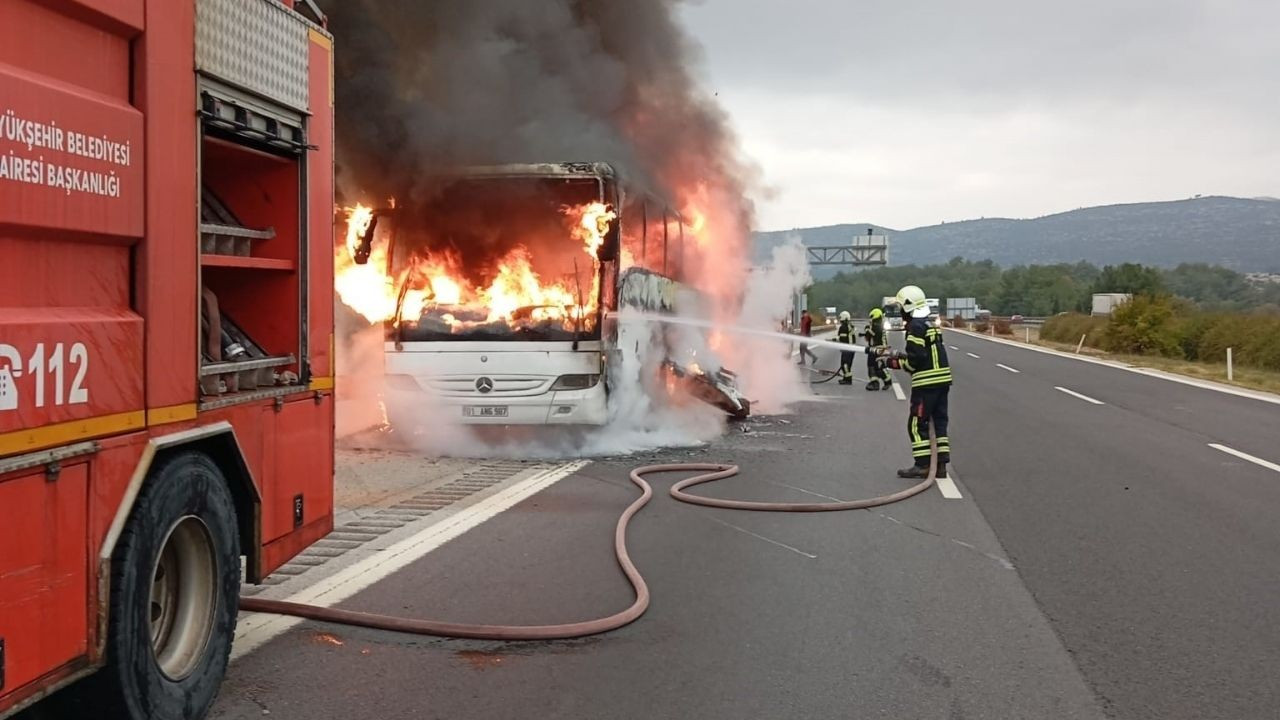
567, 169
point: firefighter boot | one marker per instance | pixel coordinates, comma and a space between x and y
873, 385
888, 383
915, 472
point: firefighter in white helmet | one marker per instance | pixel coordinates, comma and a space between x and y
844, 334
926, 360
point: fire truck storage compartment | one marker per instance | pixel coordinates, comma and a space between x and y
293, 470
43, 614
252, 246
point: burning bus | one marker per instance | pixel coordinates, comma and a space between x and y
497, 289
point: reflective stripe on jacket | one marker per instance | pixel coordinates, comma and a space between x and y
926, 355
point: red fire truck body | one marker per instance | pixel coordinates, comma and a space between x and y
166, 346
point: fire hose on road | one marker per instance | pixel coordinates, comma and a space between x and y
708, 473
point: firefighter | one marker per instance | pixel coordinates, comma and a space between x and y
926, 360
844, 335
875, 335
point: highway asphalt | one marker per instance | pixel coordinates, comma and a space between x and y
1112, 554
1153, 553
908, 611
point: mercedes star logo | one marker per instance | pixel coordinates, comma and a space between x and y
484, 385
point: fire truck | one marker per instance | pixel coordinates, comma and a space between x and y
166, 342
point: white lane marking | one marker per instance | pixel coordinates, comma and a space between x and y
771, 541
947, 486
1266, 397
255, 629
1006, 367
976, 357
953, 347
1073, 393
897, 391
1246, 456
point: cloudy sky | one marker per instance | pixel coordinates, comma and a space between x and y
912, 112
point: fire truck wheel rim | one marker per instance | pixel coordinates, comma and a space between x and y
183, 598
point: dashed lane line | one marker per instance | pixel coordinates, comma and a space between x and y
1075, 394
976, 357
1006, 367
1246, 456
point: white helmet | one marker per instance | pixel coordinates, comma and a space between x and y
844, 315
913, 301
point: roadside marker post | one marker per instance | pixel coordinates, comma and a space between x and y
1080, 346
1230, 369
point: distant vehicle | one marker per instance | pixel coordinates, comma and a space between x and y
892, 313
1016, 319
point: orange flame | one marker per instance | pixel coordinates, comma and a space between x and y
513, 293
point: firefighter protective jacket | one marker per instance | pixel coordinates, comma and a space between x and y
875, 333
844, 333
926, 355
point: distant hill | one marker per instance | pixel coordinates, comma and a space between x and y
1239, 233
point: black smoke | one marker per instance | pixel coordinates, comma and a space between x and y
428, 85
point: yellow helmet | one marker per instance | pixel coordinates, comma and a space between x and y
876, 313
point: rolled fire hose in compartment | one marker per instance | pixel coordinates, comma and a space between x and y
707, 473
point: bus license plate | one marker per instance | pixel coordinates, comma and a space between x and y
485, 411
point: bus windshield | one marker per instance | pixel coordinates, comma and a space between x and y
500, 258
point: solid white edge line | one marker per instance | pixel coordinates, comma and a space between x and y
947, 486
976, 357
1006, 367
1266, 397
1246, 456
255, 629
1073, 393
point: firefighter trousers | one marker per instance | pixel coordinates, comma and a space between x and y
929, 406
846, 365
876, 370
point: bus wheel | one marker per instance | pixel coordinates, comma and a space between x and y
175, 584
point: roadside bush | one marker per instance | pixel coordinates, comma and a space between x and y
982, 326
1191, 333
1254, 339
1069, 327
1146, 325
1173, 328
1003, 327
957, 321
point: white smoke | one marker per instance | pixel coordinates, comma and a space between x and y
767, 373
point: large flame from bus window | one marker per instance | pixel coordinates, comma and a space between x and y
513, 293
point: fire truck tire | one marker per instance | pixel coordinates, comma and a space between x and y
175, 581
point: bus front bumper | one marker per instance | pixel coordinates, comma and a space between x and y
558, 407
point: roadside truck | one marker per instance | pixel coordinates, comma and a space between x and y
166, 325
892, 313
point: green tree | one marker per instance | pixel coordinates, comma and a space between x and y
1129, 278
